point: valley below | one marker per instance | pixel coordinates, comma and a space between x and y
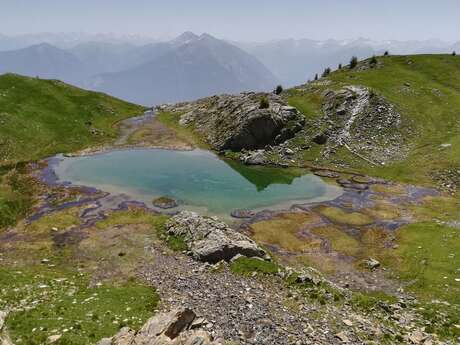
316, 216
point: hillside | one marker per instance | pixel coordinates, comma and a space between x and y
424, 90
43, 117
39, 118
397, 119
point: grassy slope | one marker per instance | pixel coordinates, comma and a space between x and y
430, 105
39, 118
43, 117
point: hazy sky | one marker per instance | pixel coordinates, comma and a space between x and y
239, 19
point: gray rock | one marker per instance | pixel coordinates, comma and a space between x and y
372, 264
309, 276
242, 214
445, 146
326, 173
254, 157
53, 338
173, 328
3, 315
4, 337
210, 240
235, 122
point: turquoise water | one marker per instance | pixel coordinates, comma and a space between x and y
195, 178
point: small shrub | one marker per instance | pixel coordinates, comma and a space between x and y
264, 104
278, 89
386, 53
454, 53
316, 76
176, 243
246, 266
340, 66
353, 62
326, 72
373, 60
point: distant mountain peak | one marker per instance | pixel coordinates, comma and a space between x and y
42, 46
186, 37
207, 36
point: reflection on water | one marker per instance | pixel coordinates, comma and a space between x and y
196, 178
262, 177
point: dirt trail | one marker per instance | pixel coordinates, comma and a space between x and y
129, 126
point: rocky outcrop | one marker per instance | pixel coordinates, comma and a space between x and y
211, 240
237, 122
178, 327
363, 122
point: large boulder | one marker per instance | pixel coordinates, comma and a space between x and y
236, 122
210, 240
173, 328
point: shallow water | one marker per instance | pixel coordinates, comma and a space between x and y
197, 179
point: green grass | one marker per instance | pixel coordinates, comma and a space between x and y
309, 104
39, 118
174, 242
439, 207
131, 217
283, 232
16, 196
157, 222
337, 215
171, 120
428, 258
63, 303
339, 240
369, 300
247, 266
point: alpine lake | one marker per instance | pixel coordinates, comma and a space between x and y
198, 180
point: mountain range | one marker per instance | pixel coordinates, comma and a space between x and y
185, 68
190, 66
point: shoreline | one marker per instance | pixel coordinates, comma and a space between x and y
49, 176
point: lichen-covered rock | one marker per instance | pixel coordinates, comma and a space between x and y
173, 328
164, 202
211, 240
236, 122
